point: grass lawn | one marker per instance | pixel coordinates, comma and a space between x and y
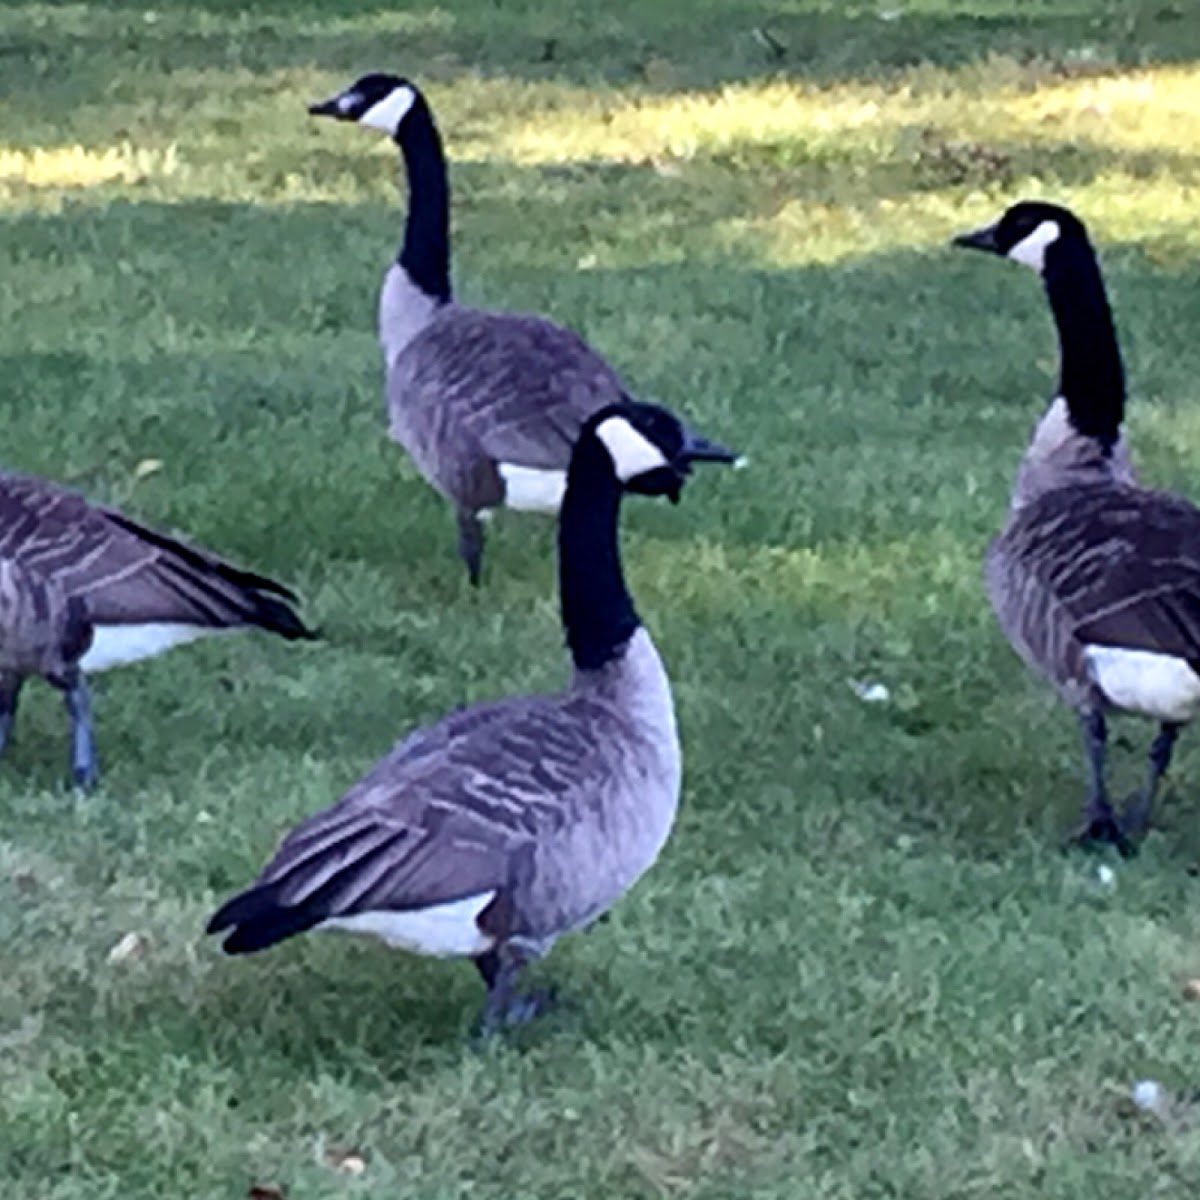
862, 968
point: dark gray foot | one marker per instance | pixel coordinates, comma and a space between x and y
470, 545
9, 691
85, 764
1135, 820
519, 1009
1099, 826
506, 1007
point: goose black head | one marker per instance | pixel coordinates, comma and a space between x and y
1029, 233
651, 449
377, 101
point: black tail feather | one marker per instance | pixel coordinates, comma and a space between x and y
258, 921
216, 586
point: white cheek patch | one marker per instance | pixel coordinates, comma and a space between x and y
632, 453
387, 113
1031, 249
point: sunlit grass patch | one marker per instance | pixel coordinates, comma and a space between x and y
998, 99
73, 167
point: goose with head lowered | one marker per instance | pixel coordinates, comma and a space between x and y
84, 588
1095, 579
487, 404
505, 825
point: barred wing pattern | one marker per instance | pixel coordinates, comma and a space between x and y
43, 631
1106, 565
128, 574
478, 388
454, 810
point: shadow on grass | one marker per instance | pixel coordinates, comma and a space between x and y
659, 49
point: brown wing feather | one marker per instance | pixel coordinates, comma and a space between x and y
1122, 563
127, 573
452, 811
494, 387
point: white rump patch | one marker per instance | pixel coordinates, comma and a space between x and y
1144, 681
115, 645
442, 930
532, 489
387, 113
1031, 249
632, 453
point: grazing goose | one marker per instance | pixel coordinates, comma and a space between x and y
487, 404
507, 824
83, 588
1095, 579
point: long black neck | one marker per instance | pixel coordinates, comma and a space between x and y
425, 254
1093, 379
597, 610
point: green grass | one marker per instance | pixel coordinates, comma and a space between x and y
862, 968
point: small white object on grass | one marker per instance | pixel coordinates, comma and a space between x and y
1149, 1096
870, 693
131, 946
1106, 875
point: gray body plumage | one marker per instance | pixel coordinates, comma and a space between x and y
469, 390
1054, 572
43, 630
82, 587
555, 805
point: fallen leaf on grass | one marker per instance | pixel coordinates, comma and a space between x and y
148, 466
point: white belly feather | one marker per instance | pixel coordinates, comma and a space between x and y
114, 645
442, 930
1144, 681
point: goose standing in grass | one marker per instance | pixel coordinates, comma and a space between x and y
1095, 579
505, 825
487, 404
84, 588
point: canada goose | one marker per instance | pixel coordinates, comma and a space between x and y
84, 588
487, 404
1095, 579
507, 824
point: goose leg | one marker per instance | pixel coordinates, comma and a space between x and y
10, 690
85, 766
470, 544
505, 1005
1099, 822
1136, 818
